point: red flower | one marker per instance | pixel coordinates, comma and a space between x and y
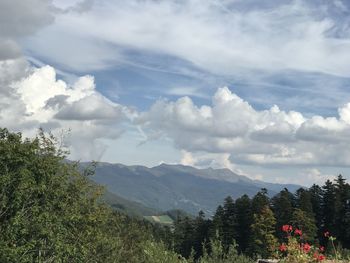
306, 248
283, 247
298, 232
326, 234
321, 248
321, 257
287, 228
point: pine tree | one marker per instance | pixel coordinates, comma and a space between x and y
316, 201
263, 238
229, 222
303, 201
328, 208
244, 219
282, 206
303, 221
303, 215
342, 209
184, 233
217, 223
259, 201
201, 234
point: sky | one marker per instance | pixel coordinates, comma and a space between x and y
258, 87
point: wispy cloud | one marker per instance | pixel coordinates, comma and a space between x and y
222, 38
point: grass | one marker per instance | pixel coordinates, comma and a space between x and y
161, 219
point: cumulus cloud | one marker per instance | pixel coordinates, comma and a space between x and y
41, 100
93, 107
33, 97
265, 137
222, 37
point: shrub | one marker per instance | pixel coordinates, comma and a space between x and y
295, 249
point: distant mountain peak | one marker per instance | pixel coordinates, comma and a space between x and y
177, 186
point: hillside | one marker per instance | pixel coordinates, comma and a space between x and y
126, 206
166, 187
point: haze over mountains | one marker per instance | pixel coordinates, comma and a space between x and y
167, 187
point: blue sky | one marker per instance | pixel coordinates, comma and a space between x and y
259, 87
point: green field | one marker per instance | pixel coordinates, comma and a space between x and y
161, 219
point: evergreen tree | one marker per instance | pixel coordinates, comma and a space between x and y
244, 219
328, 208
303, 201
342, 210
303, 215
184, 234
264, 242
201, 236
282, 205
259, 201
217, 223
228, 234
303, 221
316, 201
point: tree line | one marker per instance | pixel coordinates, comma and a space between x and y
254, 224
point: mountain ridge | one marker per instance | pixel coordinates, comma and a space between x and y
172, 186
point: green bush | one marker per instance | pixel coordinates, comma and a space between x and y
218, 255
51, 212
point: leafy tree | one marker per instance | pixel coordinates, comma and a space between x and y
48, 209
51, 212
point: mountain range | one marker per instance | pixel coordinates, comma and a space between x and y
167, 187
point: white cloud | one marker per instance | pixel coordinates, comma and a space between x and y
266, 137
222, 38
18, 19
307, 177
39, 99
205, 160
187, 158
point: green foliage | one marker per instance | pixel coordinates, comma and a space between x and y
228, 233
125, 206
244, 220
282, 205
305, 222
157, 253
328, 207
184, 234
219, 255
263, 233
259, 201
50, 212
